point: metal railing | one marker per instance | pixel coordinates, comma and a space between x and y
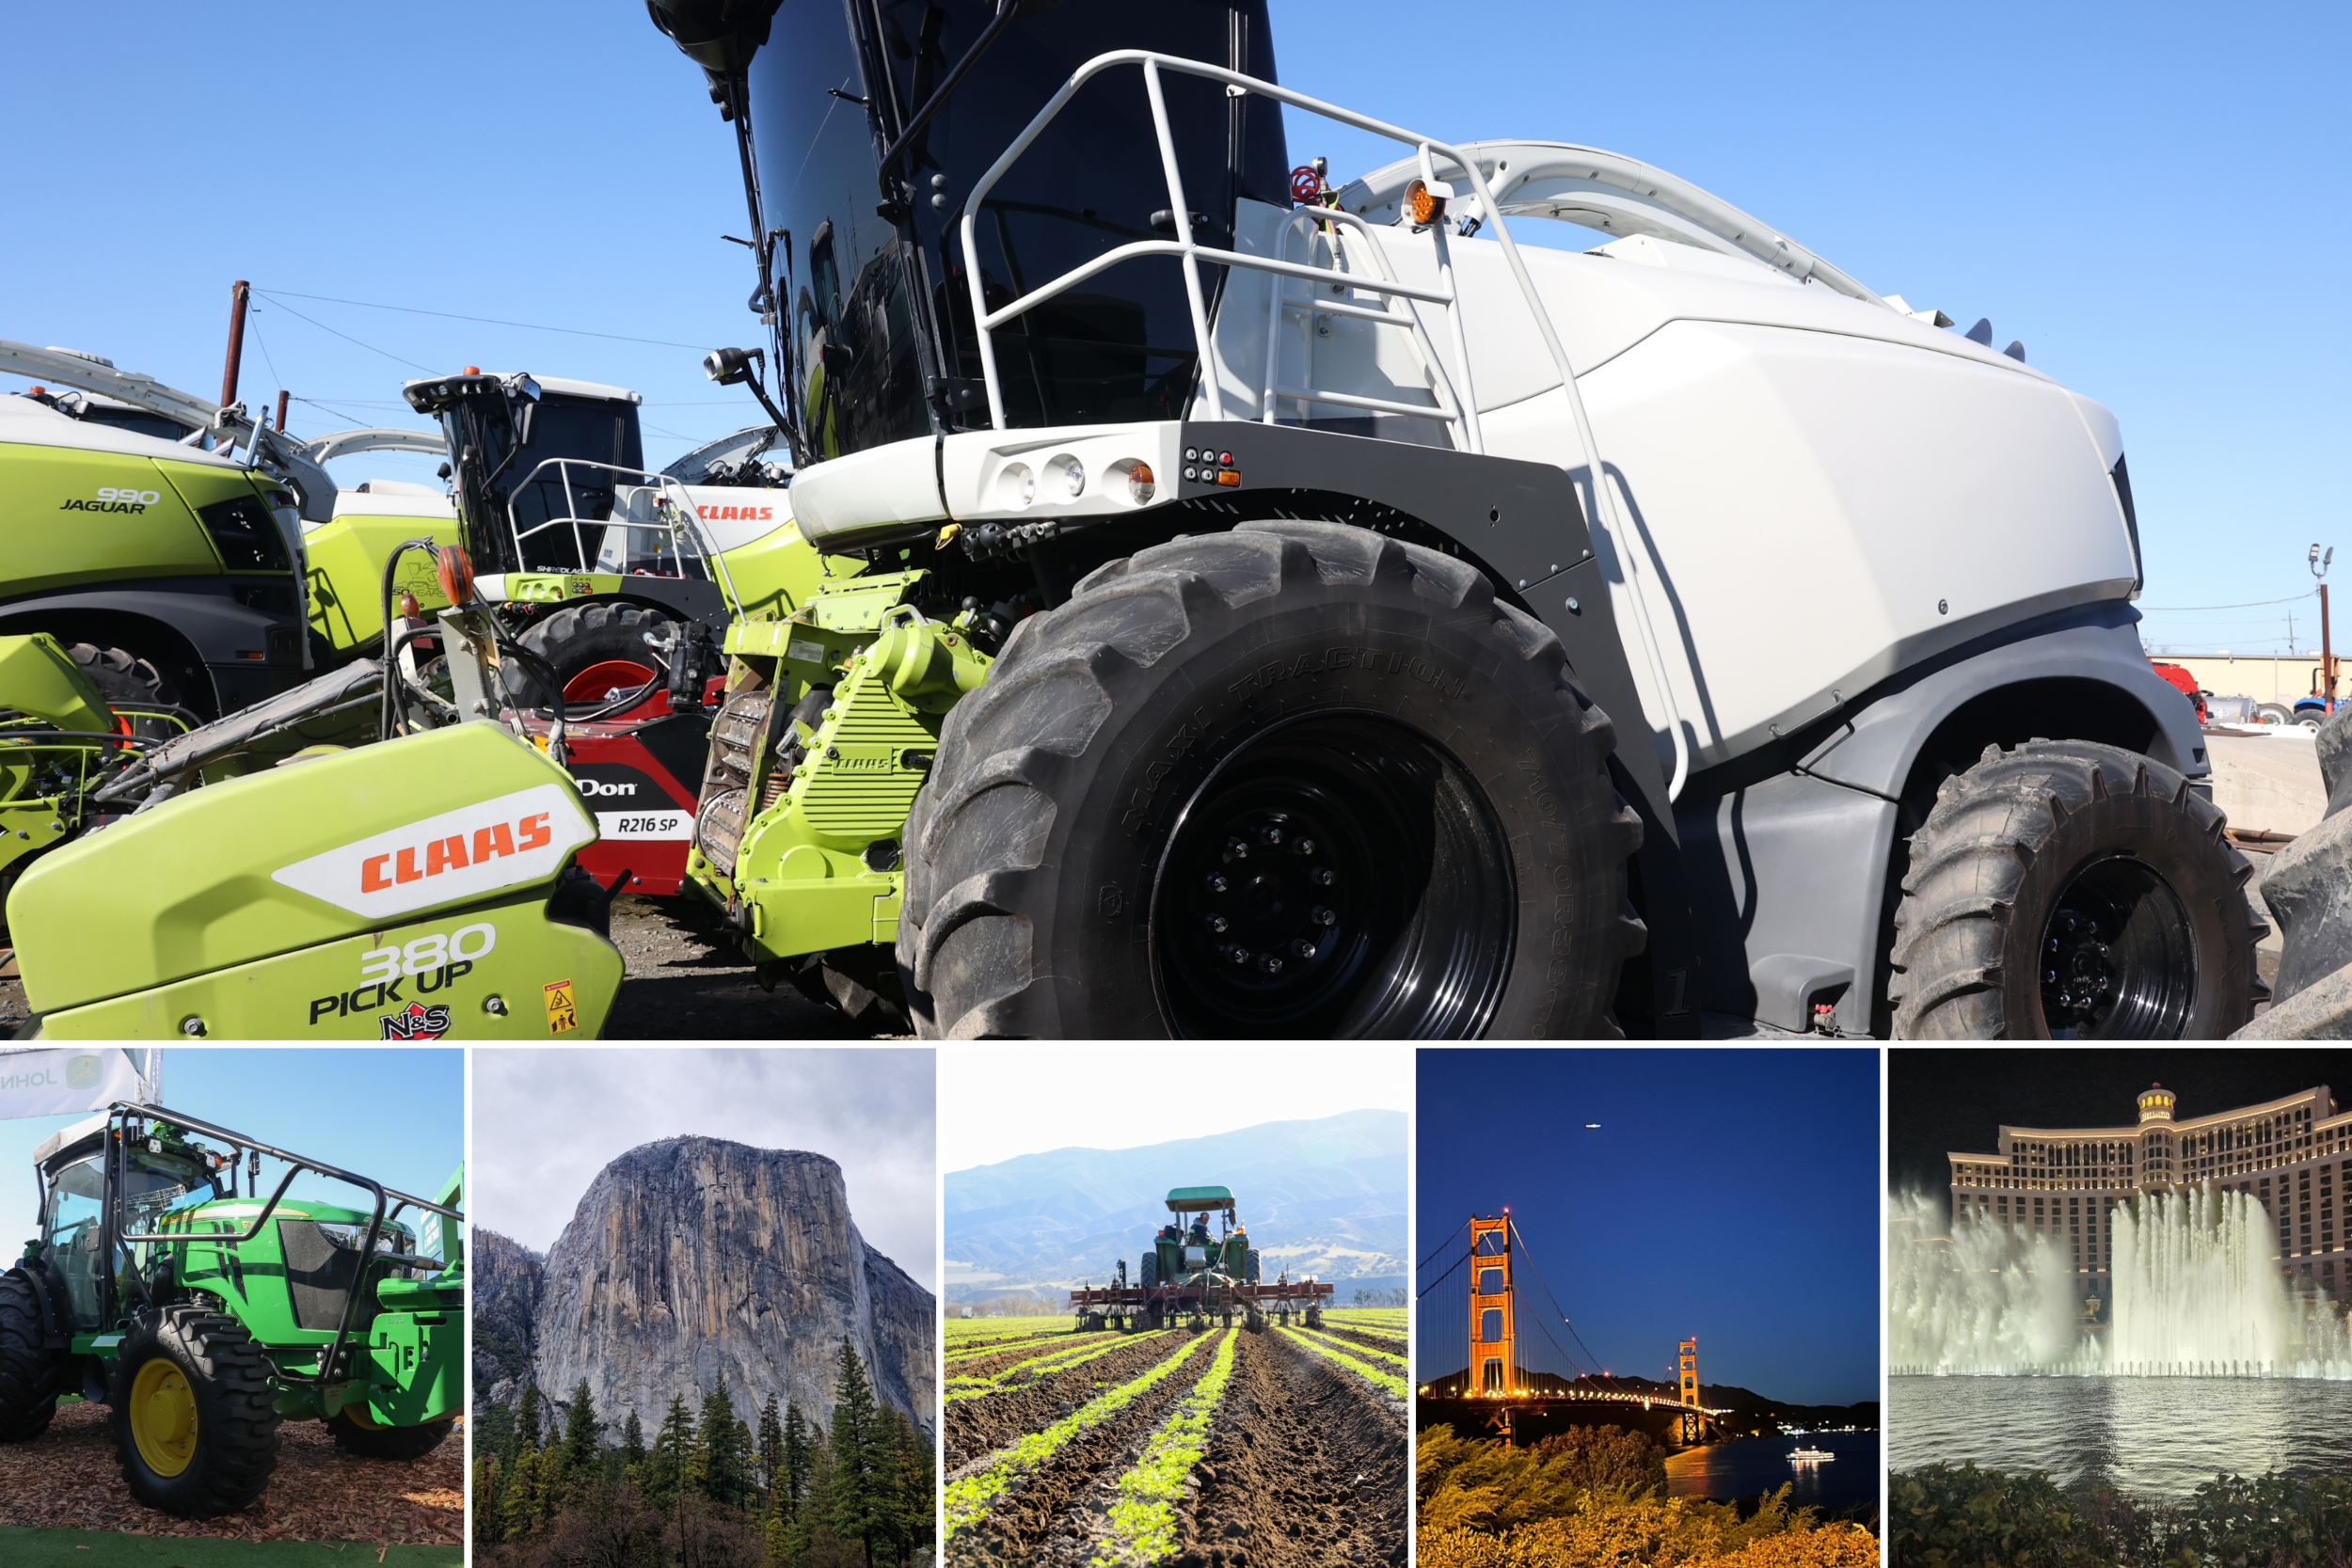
1458, 402
677, 524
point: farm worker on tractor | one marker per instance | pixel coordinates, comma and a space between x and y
1199, 1229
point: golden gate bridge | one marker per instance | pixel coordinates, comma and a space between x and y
1508, 1375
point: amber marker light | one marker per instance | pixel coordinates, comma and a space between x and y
1426, 204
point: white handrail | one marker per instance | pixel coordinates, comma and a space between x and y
685, 522
1606, 517
1306, 220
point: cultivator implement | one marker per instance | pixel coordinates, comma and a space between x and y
1212, 1300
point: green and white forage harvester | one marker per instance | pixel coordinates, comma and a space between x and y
204, 1318
1191, 1276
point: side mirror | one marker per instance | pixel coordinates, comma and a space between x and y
526, 423
731, 367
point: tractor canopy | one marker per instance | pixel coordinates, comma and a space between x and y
1189, 1201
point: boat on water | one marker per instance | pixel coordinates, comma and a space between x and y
1808, 1456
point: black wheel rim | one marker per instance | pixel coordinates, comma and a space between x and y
2117, 955
1340, 876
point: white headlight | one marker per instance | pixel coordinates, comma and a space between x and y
1016, 485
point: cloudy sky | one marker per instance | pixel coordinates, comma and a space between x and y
545, 1122
1014, 1100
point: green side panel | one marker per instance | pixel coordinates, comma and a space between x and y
347, 559
559, 587
215, 878
1190, 1199
535, 979
36, 677
250, 1279
776, 574
55, 530
418, 1372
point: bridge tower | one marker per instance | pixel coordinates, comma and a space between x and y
1493, 1345
1687, 1379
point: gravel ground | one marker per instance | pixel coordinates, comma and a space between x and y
68, 1476
687, 981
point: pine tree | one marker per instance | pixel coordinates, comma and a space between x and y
666, 1469
632, 1441
580, 1432
915, 1490
721, 1438
771, 1446
817, 1486
519, 1510
796, 1461
526, 1419
858, 1506
775, 1527
489, 1477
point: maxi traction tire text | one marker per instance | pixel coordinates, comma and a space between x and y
30, 1377
226, 1376
2043, 869
1268, 679
382, 1442
2308, 890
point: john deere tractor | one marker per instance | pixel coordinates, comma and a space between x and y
204, 1318
1194, 1276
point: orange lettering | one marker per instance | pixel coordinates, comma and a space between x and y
445, 854
492, 841
536, 832
371, 877
406, 871
767, 512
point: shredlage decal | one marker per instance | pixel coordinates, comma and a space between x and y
562, 1018
510, 841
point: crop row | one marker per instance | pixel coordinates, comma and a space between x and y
1143, 1519
971, 1496
1053, 1361
1351, 1348
998, 1347
961, 1331
1375, 1375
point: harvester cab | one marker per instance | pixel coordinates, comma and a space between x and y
204, 1318
1387, 593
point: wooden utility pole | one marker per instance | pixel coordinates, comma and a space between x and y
2327, 651
239, 292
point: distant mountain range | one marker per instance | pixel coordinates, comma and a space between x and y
1323, 1197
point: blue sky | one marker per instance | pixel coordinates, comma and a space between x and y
2065, 170
397, 1116
1732, 1195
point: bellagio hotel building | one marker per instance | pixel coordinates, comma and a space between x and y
2062, 1184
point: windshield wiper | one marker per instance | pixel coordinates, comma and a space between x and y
892, 208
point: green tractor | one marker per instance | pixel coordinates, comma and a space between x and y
1192, 1277
204, 1317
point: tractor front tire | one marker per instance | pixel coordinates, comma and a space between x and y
1251, 1273
1295, 780
2067, 890
593, 649
355, 1435
30, 1378
195, 1422
121, 675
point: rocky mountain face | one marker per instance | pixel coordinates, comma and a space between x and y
696, 1261
506, 1277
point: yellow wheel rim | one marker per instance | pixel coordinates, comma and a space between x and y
357, 1412
163, 1417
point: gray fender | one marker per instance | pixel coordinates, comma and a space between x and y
1789, 871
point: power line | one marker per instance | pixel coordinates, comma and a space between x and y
2190, 608
486, 320
347, 337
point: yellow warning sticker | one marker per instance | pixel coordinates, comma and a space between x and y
563, 1017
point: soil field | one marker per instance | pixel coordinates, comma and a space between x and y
1392, 1343
70, 1477
1225, 1447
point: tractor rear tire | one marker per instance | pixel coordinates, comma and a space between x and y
860, 983
2067, 890
2272, 713
576, 640
1251, 1273
121, 675
194, 1421
30, 1378
381, 1442
1438, 849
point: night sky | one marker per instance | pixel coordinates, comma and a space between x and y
1733, 1194
1956, 1101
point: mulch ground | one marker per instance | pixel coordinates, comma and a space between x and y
70, 1477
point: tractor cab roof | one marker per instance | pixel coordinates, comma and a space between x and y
68, 1143
1187, 1200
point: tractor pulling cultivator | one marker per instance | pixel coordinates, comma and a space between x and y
204, 1325
1191, 1278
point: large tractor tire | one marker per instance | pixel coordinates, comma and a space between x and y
1251, 1273
30, 1378
597, 651
2066, 890
860, 983
195, 1425
123, 676
2308, 890
1296, 780
359, 1434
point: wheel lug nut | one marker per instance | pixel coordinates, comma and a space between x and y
1302, 846
1236, 850
1271, 965
1269, 836
1218, 883
1321, 876
1303, 950
1321, 916
1216, 923
1234, 954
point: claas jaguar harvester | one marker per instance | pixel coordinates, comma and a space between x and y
1193, 1276
204, 1318
1289, 606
